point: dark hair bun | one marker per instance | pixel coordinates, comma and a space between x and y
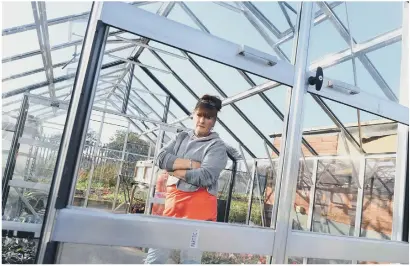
213, 99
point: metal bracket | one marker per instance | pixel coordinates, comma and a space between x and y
270, 60
320, 82
343, 87
171, 129
55, 104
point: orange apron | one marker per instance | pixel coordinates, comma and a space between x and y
197, 205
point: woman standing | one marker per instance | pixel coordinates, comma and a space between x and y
192, 162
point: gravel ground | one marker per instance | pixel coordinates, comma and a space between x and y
18, 250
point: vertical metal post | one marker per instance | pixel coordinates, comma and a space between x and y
285, 126
166, 109
360, 194
95, 157
14, 149
128, 89
151, 189
312, 194
33, 166
405, 233
124, 148
29, 161
277, 189
402, 135
292, 141
158, 146
359, 201
149, 150
75, 130
246, 167
252, 181
260, 195
230, 190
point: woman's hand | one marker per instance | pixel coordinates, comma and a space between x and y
196, 165
162, 181
163, 176
179, 174
164, 172
185, 164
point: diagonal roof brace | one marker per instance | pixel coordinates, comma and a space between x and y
338, 24
56, 21
164, 11
40, 17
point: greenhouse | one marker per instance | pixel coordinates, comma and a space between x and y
314, 122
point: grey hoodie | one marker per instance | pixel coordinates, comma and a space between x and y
210, 151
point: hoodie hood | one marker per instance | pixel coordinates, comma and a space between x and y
213, 135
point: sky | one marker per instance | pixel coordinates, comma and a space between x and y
366, 20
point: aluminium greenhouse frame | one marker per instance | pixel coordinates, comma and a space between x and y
298, 240
62, 223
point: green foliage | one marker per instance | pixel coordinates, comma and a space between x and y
238, 211
230, 258
222, 258
134, 144
105, 174
91, 138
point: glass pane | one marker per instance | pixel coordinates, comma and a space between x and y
19, 83
108, 166
301, 210
84, 253
31, 177
295, 260
223, 80
334, 208
359, 25
23, 8
274, 13
22, 65
332, 261
337, 206
327, 261
372, 262
61, 9
8, 128
59, 33
375, 70
270, 175
240, 211
152, 7
377, 217
231, 22
12, 44
228, 79
43, 91
118, 176
65, 56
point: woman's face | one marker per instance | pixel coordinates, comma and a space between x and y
203, 123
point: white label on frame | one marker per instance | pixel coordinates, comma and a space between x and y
194, 239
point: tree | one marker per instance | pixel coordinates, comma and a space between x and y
137, 149
134, 144
91, 138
